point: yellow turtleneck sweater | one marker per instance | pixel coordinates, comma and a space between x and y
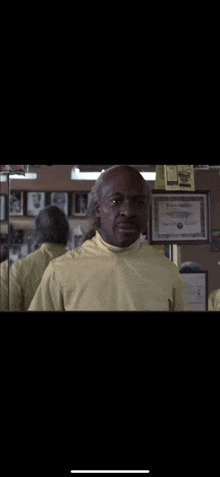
101, 277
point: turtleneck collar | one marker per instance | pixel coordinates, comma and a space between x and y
107, 246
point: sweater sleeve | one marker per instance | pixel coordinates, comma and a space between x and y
16, 298
48, 296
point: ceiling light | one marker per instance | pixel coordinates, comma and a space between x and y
93, 176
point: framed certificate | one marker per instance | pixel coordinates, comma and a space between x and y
195, 290
180, 217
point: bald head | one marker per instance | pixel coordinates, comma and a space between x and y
123, 202
115, 172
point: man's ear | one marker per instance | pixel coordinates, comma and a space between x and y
97, 210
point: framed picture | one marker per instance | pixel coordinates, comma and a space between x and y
36, 201
180, 217
61, 200
215, 245
16, 203
3, 207
79, 204
196, 290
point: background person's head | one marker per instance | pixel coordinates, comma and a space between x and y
51, 226
190, 267
118, 205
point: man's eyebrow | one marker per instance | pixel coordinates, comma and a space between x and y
130, 195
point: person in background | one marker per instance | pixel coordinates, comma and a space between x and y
190, 267
113, 271
3, 251
50, 239
4, 286
214, 300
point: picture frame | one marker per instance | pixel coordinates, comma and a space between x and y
3, 207
16, 203
60, 199
215, 244
79, 203
195, 290
35, 202
180, 218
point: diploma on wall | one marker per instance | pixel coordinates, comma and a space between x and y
180, 217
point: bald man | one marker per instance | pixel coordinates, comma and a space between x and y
113, 270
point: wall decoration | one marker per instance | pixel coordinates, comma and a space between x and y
79, 204
215, 246
180, 217
195, 290
36, 201
60, 199
12, 168
16, 203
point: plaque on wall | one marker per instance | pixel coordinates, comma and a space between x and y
180, 217
195, 290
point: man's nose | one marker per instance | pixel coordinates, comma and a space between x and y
127, 208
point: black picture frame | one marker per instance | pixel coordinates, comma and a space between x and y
181, 238
35, 202
16, 203
193, 300
79, 204
3, 207
60, 198
215, 244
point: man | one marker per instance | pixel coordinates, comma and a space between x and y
214, 300
4, 286
113, 271
51, 237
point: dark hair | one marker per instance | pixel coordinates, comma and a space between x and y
190, 267
51, 226
95, 195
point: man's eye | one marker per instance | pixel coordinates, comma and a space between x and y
115, 201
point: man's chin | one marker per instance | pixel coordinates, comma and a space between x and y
124, 241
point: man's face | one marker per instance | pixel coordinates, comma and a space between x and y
122, 208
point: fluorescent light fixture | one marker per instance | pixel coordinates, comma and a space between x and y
29, 175
93, 176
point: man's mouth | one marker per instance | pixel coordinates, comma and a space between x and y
127, 227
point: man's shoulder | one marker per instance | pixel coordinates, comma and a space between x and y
148, 251
25, 261
64, 259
